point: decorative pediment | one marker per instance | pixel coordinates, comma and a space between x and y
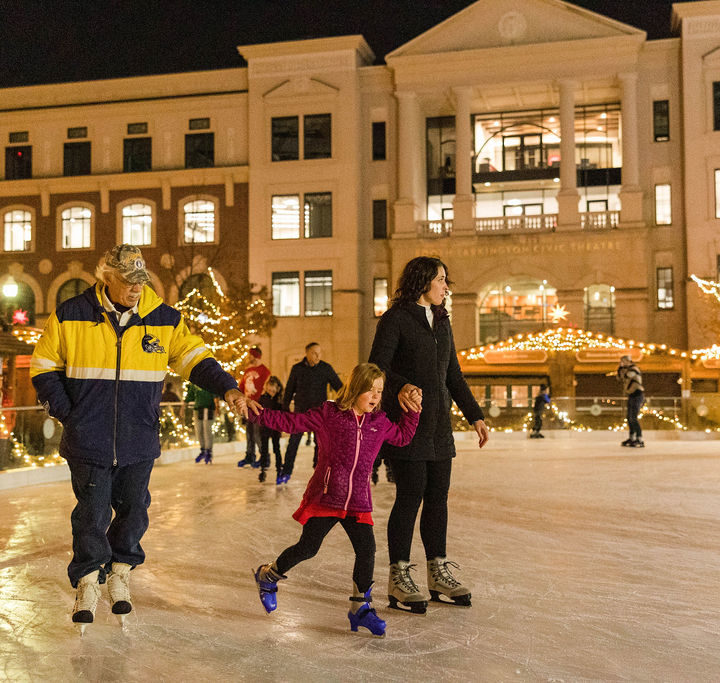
502, 23
301, 86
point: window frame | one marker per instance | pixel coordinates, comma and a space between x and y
661, 120
77, 145
181, 219
665, 298
302, 227
377, 313
379, 227
276, 276
209, 135
33, 228
378, 146
27, 162
657, 204
129, 141
120, 220
59, 222
325, 313
314, 156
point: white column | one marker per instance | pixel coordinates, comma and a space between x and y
463, 222
631, 196
407, 141
568, 197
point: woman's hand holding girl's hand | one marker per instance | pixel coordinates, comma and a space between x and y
254, 406
410, 398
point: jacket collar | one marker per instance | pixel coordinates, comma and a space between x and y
149, 301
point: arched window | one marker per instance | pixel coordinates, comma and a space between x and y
517, 305
137, 220
70, 289
198, 221
200, 281
75, 228
17, 230
600, 308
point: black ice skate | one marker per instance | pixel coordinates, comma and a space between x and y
442, 582
403, 591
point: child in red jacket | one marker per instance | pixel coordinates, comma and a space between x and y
349, 433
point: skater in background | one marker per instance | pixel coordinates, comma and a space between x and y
109, 405
205, 405
542, 401
631, 378
349, 432
376, 470
414, 346
271, 400
252, 384
169, 395
307, 387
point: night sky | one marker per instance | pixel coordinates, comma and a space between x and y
49, 41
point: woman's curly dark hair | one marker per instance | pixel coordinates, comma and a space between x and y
416, 278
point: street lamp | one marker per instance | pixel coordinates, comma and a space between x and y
10, 291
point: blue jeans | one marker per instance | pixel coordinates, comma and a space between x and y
98, 538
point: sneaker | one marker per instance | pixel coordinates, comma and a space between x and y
86, 600
118, 582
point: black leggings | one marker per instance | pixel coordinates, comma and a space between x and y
426, 482
316, 528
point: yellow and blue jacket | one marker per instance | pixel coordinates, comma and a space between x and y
104, 382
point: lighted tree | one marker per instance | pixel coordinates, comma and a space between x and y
228, 320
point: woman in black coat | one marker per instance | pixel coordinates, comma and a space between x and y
414, 346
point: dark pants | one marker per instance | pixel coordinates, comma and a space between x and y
313, 534
537, 424
416, 482
98, 538
291, 452
266, 435
634, 403
252, 436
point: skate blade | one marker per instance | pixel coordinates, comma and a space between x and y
419, 607
80, 627
458, 601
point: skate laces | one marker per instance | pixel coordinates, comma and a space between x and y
118, 586
442, 573
403, 579
87, 596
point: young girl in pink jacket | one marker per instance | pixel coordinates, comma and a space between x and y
349, 434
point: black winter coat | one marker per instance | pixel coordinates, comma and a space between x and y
308, 385
410, 352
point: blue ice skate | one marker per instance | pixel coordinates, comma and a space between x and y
266, 579
366, 615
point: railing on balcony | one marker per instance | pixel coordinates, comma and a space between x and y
438, 228
546, 222
600, 220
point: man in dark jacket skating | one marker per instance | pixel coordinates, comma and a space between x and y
307, 386
99, 369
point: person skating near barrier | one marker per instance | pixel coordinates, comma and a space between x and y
205, 403
349, 433
414, 346
307, 388
99, 368
542, 401
252, 384
631, 378
271, 399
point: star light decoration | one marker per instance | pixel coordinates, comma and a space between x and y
558, 314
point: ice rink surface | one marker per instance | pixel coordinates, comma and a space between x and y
587, 562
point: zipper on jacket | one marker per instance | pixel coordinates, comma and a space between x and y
118, 345
358, 440
327, 479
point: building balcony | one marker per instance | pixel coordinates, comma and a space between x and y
600, 220
502, 225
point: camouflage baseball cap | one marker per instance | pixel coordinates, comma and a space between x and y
129, 263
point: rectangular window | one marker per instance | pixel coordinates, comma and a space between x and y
285, 138
379, 150
18, 136
137, 129
317, 134
18, 162
137, 154
17, 230
199, 150
286, 217
717, 193
286, 294
663, 205
318, 292
665, 298
661, 120
716, 105
318, 214
76, 158
379, 219
78, 132
380, 296
76, 227
199, 124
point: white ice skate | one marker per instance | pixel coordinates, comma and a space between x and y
402, 589
86, 600
442, 582
118, 581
